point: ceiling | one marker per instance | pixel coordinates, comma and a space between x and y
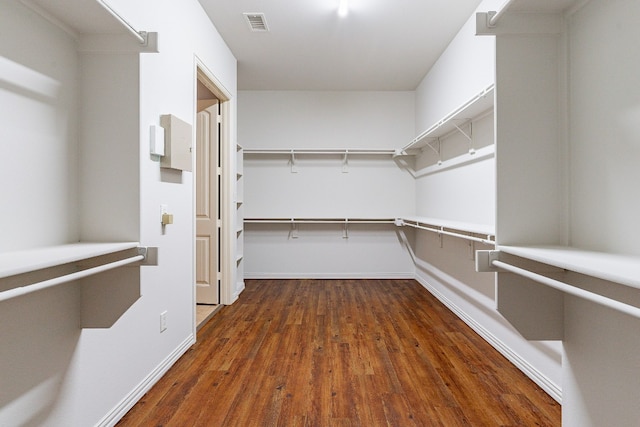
379, 45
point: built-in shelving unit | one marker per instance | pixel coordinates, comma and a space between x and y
239, 196
547, 143
100, 183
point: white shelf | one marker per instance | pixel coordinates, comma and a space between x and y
622, 269
547, 6
319, 151
358, 220
480, 154
26, 261
486, 230
475, 107
80, 18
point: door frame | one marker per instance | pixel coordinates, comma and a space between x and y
227, 245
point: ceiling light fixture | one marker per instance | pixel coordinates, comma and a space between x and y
343, 8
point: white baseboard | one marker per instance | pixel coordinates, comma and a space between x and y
530, 371
388, 276
239, 289
145, 385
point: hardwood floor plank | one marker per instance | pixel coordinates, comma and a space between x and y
341, 353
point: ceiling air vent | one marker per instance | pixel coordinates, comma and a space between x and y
257, 21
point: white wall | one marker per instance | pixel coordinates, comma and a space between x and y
373, 187
61, 375
39, 149
602, 373
468, 194
467, 61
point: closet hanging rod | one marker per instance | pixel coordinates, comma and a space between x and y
570, 289
23, 290
440, 230
495, 16
319, 151
317, 221
140, 35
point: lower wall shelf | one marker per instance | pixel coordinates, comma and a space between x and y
96, 264
13, 263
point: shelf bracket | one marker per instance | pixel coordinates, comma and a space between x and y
484, 261
345, 162
292, 161
293, 233
345, 233
438, 151
469, 136
150, 255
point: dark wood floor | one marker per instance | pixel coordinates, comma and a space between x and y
341, 353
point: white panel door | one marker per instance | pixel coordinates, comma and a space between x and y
207, 206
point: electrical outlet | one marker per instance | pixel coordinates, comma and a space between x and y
163, 321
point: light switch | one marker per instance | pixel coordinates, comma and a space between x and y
167, 219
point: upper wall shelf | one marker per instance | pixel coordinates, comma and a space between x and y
475, 107
88, 20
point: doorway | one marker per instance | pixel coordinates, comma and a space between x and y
210, 221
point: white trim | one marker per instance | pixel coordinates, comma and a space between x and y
228, 205
552, 389
302, 276
236, 294
120, 410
